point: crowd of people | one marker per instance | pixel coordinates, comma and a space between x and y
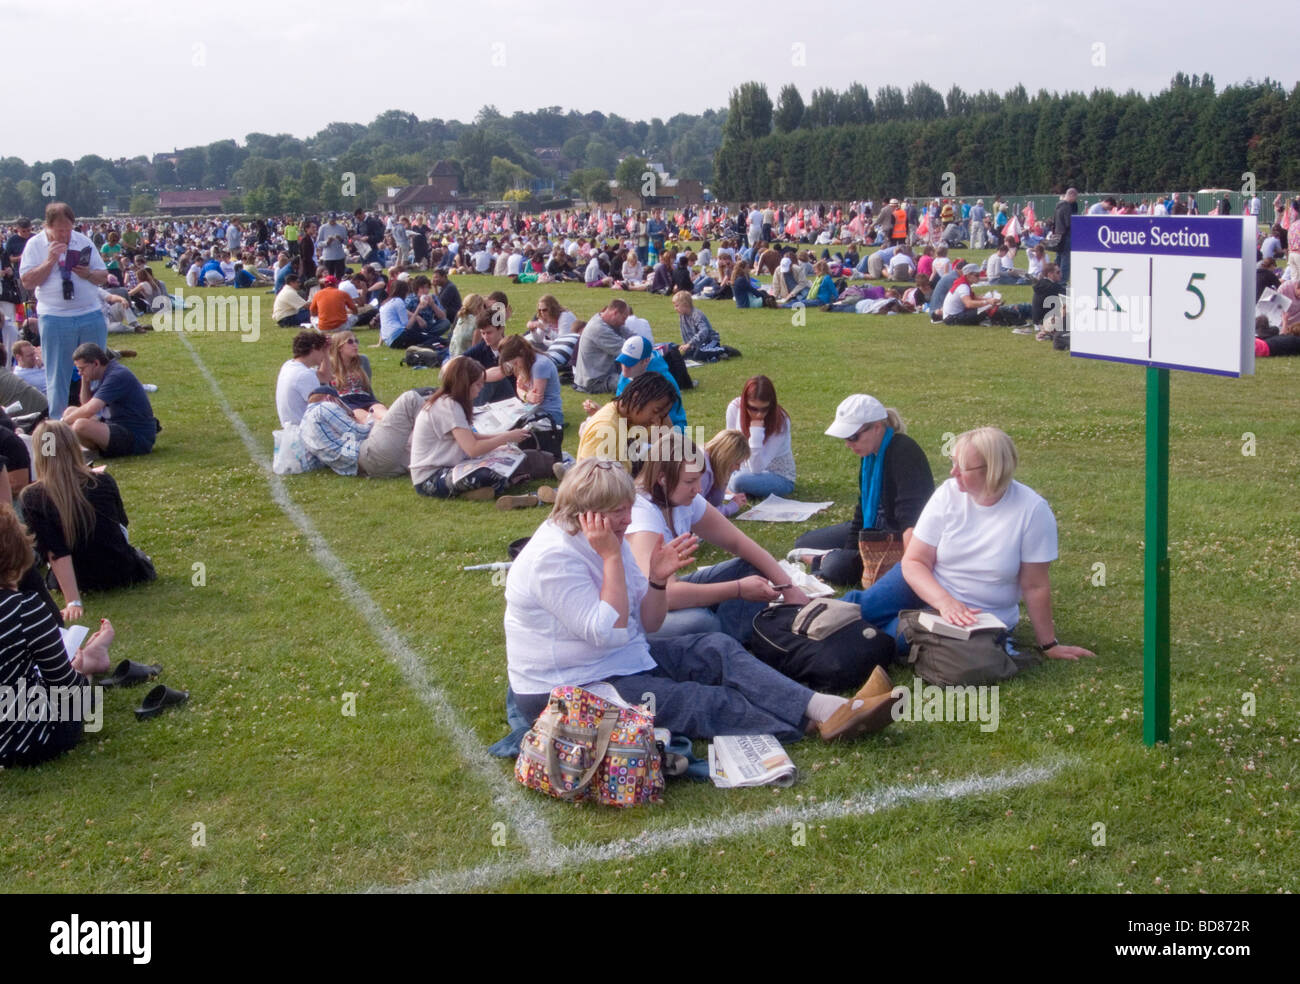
980, 541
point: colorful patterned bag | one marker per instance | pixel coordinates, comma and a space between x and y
585, 747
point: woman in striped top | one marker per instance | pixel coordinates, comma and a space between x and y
33, 659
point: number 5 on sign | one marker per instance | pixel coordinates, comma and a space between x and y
1196, 312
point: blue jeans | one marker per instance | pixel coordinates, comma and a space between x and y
60, 336
733, 617
707, 685
761, 484
882, 602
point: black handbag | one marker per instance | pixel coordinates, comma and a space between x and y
841, 659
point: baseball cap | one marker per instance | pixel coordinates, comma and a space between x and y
970, 270
635, 349
785, 265
329, 280
854, 413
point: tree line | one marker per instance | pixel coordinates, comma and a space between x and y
350, 164
848, 145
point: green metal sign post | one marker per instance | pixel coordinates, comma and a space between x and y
1155, 630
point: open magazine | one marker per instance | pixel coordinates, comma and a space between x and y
749, 760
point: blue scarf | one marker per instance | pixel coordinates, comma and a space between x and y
871, 481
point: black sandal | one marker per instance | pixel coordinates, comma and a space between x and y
129, 673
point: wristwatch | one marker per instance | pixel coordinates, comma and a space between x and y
1044, 647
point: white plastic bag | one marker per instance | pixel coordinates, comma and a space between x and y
291, 456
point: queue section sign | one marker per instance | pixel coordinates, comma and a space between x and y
1173, 292
1165, 292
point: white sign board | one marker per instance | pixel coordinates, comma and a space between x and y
1175, 292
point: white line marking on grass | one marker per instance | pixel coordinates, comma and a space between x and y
533, 830
708, 831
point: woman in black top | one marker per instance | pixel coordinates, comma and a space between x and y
79, 521
903, 487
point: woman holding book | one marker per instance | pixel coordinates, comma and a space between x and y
982, 543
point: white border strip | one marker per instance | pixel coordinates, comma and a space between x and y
555, 858
534, 833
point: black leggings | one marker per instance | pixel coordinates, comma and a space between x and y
841, 566
62, 736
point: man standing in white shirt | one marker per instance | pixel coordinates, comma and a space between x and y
64, 269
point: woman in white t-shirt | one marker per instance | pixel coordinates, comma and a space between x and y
724, 597
757, 414
444, 437
982, 543
578, 607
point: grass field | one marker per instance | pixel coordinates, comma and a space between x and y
269, 635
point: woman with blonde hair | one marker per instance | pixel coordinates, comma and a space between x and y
983, 543
552, 321
723, 456
578, 608
464, 334
78, 520
352, 376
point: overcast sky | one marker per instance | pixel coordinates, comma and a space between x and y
139, 76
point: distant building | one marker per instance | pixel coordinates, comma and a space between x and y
191, 202
441, 190
671, 193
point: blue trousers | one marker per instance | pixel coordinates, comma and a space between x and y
734, 617
761, 484
708, 685
60, 336
882, 602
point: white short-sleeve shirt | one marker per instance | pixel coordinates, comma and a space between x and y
647, 517
49, 293
979, 549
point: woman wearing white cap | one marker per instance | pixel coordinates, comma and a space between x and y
894, 484
982, 543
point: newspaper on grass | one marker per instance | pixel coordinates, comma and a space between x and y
774, 509
503, 415
749, 760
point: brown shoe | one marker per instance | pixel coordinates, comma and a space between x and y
860, 717
878, 683
546, 494
517, 501
478, 495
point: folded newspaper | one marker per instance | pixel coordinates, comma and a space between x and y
749, 760
503, 415
775, 509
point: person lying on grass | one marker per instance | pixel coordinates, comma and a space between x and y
578, 608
